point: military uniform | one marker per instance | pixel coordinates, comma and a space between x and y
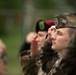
67, 65
48, 56
30, 65
53, 65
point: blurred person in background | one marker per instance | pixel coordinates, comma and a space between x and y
3, 59
30, 60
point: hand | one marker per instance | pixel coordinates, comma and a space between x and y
51, 31
34, 47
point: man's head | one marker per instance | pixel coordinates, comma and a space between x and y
43, 25
66, 25
42, 29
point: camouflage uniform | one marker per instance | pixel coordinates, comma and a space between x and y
51, 64
67, 65
31, 66
28, 64
47, 56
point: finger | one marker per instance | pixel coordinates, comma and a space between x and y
34, 38
53, 28
51, 31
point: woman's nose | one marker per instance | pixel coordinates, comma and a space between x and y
53, 36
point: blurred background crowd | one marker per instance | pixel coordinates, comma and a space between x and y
18, 17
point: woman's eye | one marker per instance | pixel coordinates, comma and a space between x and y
59, 33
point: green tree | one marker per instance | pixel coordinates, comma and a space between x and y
8, 8
72, 3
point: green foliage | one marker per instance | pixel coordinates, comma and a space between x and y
44, 4
2, 27
2, 4
10, 4
72, 3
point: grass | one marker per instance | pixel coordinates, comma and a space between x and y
13, 42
